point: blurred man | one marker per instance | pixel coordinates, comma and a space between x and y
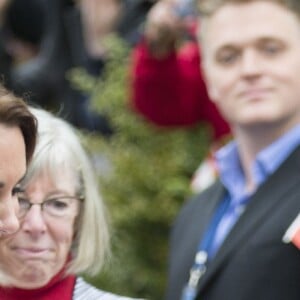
238, 239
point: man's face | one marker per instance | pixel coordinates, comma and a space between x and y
251, 59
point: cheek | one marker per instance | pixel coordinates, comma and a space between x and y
10, 263
4, 251
219, 89
63, 243
218, 82
63, 236
289, 79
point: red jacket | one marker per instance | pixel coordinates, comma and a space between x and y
171, 91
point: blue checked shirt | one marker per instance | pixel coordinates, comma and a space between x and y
232, 176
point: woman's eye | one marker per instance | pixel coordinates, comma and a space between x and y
57, 204
17, 190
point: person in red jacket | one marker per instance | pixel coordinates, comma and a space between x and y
168, 88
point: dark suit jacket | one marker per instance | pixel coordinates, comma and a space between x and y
253, 263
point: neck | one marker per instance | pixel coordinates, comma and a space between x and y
251, 141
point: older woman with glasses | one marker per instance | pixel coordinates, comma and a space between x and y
63, 229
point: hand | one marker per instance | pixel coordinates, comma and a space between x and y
163, 28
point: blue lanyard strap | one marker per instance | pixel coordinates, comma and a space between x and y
202, 255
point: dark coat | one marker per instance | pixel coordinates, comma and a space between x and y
253, 263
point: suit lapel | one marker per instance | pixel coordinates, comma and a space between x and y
203, 213
211, 203
269, 195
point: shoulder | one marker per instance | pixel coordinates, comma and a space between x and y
84, 290
197, 209
201, 201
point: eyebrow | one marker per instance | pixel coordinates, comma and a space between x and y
261, 39
227, 47
2, 184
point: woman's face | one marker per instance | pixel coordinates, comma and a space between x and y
39, 250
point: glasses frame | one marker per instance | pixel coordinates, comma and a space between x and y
41, 204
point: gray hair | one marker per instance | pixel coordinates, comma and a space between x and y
58, 146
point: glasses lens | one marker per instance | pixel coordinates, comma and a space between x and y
59, 207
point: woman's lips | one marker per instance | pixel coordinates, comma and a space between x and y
32, 252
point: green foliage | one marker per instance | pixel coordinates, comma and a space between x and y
146, 185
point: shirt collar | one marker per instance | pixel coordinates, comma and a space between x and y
273, 156
266, 162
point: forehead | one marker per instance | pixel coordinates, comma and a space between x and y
247, 22
48, 181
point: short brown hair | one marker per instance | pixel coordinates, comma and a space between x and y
14, 112
208, 7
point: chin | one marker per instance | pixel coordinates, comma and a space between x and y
256, 118
34, 283
27, 281
33, 277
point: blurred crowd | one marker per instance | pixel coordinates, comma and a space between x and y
40, 40
168, 87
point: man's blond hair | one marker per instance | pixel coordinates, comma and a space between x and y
208, 7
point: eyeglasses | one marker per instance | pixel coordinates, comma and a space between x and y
58, 207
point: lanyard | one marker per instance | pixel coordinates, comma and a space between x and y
202, 255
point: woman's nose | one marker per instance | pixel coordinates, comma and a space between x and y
33, 221
9, 222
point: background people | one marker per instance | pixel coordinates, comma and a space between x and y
167, 86
64, 229
42, 41
234, 238
17, 142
